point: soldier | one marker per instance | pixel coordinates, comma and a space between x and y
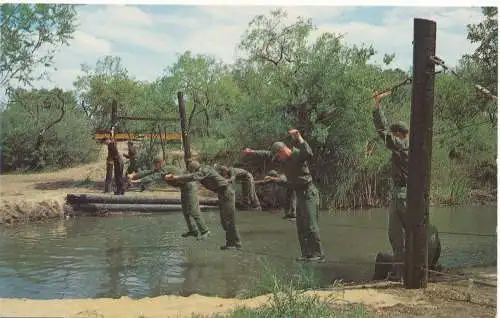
298, 177
114, 161
189, 198
214, 182
131, 156
396, 140
290, 204
250, 199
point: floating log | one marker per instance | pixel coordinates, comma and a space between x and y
101, 207
123, 199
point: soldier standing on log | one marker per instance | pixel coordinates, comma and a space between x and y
290, 204
298, 177
189, 197
131, 156
250, 199
114, 163
214, 182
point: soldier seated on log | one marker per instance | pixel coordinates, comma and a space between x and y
249, 196
383, 261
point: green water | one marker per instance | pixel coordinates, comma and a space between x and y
144, 255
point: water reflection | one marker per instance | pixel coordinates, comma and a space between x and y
142, 256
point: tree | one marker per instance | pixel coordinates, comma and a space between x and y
43, 128
101, 86
30, 36
486, 54
209, 89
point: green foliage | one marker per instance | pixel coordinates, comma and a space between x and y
57, 134
30, 36
486, 54
99, 87
275, 279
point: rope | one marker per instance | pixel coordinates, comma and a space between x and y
463, 277
439, 232
438, 61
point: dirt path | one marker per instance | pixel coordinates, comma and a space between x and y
39, 196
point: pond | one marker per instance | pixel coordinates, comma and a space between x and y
144, 255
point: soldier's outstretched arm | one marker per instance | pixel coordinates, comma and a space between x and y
261, 154
182, 179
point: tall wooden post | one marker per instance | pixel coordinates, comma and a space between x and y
185, 134
114, 112
419, 174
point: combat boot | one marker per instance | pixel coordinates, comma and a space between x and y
190, 233
203, 236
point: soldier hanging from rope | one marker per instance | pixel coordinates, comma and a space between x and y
396, 139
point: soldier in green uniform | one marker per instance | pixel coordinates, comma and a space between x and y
250, 199
114, 166
396, 140
189, 199
214, 182
131, 156
290, 195
298, 177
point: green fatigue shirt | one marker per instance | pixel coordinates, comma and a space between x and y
208, 177
132, 153
148, 176
239, 174
399, 148
295, 168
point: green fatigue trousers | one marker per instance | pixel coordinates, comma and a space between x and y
191, 209
290, 203
307, 221
397, 211
250, 198
227, 210
132, 166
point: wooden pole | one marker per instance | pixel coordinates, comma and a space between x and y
114, 112
422, 102
185, 133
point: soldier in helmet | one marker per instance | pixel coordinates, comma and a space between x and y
294, 163
189, 198
396, 139
290, 204
250, 199
214, 182
131, 156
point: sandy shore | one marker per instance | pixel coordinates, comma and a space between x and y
444, 299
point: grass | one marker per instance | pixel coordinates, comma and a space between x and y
274, 279
288, 297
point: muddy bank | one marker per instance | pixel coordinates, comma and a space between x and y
15, 211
